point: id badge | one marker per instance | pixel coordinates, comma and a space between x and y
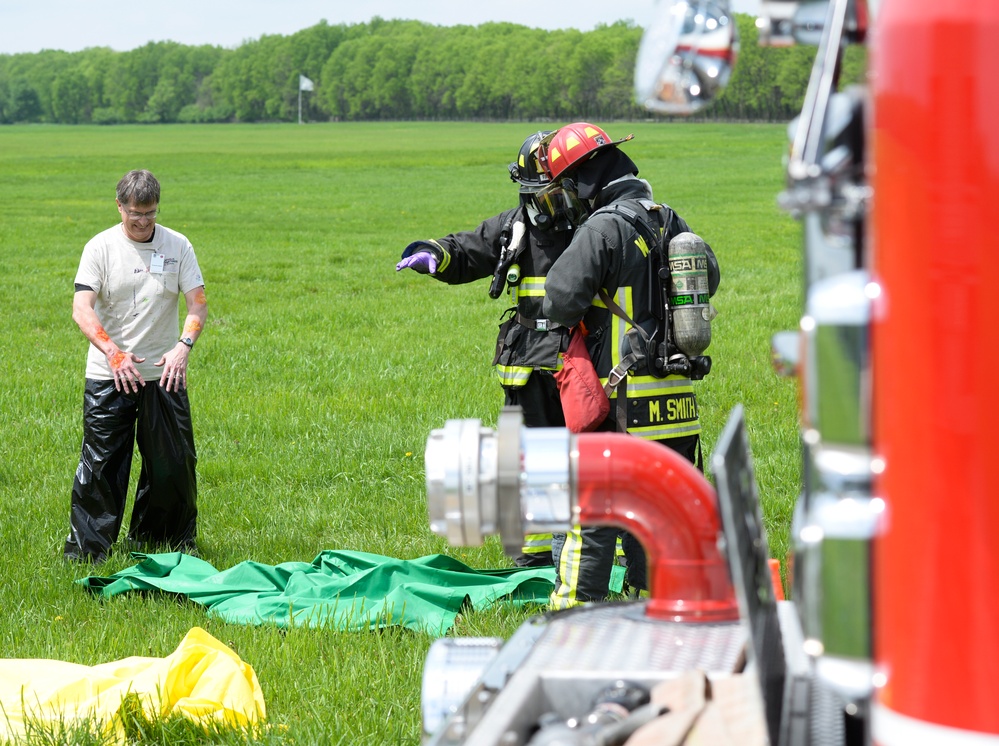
156, 264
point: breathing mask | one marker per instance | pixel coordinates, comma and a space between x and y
559, 202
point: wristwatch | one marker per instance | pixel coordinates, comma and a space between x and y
188, 341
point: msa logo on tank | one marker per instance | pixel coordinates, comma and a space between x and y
690, 279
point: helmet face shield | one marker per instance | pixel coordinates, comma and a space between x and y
560, 202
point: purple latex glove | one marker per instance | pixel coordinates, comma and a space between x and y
422, 261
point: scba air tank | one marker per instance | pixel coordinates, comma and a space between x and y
689, 302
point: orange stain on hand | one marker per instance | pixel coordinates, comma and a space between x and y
117, 359
102, 335
192, 326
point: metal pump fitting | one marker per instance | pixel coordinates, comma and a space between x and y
511, 481
524, 480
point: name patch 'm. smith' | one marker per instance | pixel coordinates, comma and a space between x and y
668, 409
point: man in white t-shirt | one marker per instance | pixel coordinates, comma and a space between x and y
126, 303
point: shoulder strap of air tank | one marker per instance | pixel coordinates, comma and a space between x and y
653, 237
665, 214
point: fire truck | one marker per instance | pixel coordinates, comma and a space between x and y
890, 634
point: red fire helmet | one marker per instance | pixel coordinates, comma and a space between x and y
572, 144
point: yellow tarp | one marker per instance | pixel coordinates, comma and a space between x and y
202, 679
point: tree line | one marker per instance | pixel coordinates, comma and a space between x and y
385, 70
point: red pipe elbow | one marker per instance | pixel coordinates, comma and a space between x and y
668, 505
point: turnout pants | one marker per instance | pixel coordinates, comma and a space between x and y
165, 510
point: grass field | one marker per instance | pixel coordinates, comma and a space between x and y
322, 371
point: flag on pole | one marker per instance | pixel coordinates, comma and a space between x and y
304, 84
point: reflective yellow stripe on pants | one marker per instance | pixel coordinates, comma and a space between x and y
569, 562
537, 544
564, 595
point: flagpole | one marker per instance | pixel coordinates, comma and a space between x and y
304, 84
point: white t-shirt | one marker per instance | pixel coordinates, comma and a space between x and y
138, 287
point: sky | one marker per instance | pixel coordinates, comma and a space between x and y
72, 25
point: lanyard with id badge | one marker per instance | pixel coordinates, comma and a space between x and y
166, 282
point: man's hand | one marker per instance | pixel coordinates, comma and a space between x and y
124, 371
422, 261
174, 364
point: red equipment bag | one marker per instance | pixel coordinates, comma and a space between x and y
584, 401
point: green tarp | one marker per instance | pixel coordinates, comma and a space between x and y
339, 589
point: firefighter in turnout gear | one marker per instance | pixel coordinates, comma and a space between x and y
604, 280
515, 249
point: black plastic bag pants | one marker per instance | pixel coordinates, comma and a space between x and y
165, 510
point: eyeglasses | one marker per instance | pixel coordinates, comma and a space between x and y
151, 215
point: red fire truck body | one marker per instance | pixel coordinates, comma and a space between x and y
934, 253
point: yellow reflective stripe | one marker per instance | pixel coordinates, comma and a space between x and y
513, 375
642, 246
516, 375
445, 261
564, 596
661, 432
642, 386
619, 327
619, 548
532, 286
673, 378
650, 386
537, 543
